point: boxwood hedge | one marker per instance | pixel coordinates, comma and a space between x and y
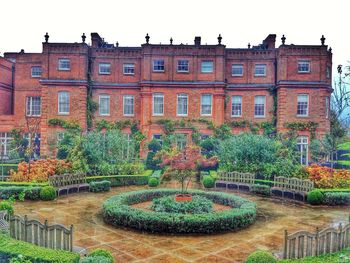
118, 211
10, 248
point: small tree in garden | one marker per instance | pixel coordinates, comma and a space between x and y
183, 165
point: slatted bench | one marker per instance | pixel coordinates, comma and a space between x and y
293, 188
235, 181
69, 183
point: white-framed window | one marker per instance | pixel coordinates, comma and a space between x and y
236, 106
182, 65
64, 64
63, 102
260, 70
237, 70
128, 105
36, 141
158, 104
327, 107
181, 141
158, 65
182, 104
206, 104
303, 148
5, 144
129, 69
36, 72
104, 68
33, 107
303, 66
328, 72
104, 105
207, 66
259, 106
303, 105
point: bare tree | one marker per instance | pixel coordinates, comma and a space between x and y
341, 94
33, 128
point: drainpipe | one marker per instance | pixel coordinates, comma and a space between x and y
13, 90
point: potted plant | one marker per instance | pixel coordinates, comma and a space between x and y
183, 166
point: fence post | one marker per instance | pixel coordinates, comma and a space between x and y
317, 249
340, 230
46, 233
71, 238
285, 244
25, 228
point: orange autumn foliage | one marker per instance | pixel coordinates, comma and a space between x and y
325, 177
40, 170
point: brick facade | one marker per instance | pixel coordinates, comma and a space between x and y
281, 78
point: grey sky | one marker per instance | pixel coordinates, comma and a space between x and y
24, 23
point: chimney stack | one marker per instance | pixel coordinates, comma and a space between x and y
95, 39
197, 41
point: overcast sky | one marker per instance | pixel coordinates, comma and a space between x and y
24, 23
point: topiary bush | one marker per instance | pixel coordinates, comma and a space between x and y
261, 189
102, 253
208, 181
47, 193
315, 197
100, 186
153, 182
336, 199
198, 205
261, 257
118, 211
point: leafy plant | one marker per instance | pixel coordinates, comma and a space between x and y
153, 182
102, 253
261, 257
101, 186
325, 177
47, 193
315, 197
208, 181
336, 199
260, 189
8, 206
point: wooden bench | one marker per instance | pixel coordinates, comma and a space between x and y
293, 188
235, 181
68, 183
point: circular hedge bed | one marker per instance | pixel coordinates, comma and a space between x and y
118, 211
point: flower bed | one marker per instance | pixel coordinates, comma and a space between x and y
117, 211
325, 177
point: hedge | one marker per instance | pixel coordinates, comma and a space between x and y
336, 199
100, 186
260, 189
10, 247
117, 211
31, 193
22, 184
157, 174
121, 180
213, 174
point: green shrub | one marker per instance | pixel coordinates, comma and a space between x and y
10, 247
8, 206
315, 197
29, 192
97, 259
102, 253
167, 204
260, 189
131, 169
118, 211
47, 193
20, 259
123, 180
261, 257
208, 181
157, 174
100, 186
154, 145
153, 182
336, 199
213, 174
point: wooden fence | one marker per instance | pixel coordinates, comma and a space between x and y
44, 235
304, 244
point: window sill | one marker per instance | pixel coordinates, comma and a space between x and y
63, 113
105, 115
304, 72
302, 116
236, 116
157, 115
128, 115
33, 116
235, 76
207, 72
129, 74
206, 115
182, 72
182, 115
104, 73
158, 71
36, 77
259, 76
259, 117
63, 69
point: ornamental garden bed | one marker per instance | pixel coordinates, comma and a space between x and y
123, 210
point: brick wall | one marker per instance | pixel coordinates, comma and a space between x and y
6, 86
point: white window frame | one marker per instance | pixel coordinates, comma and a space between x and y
181, 95
328, 72
64, 60
154, 96
211, 104
300, 67
125, 97
104, 97
33, 71
303, 148
186, 64
204, 69
60, 107
328, 106
5, 143
30, 106
255, 105
154, 65
237, 66
307, 105
107, 66
262, 66
241, 103
129, 66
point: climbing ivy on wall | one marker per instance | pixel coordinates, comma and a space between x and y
303, 126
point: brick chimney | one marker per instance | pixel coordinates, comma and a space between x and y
95, 39
197, 41
270, 41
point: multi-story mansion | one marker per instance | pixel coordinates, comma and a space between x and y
258, 84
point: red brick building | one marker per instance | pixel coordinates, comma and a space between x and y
258, 84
